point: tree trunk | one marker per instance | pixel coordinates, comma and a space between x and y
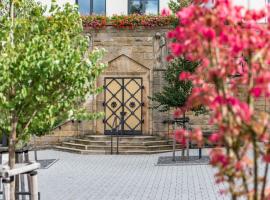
11, 154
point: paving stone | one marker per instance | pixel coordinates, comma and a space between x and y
124, 177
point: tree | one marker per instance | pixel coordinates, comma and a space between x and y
174, 93
46, 69
229, 41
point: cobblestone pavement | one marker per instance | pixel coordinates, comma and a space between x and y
123, 177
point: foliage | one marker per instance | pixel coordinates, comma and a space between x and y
174, 93
127, 21
228, 41
46, 68
176, 5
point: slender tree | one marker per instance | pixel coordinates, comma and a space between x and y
174, 93
46, 69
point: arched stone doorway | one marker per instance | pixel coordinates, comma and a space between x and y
125, 99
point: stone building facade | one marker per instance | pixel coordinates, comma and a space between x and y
136, 56
136, 62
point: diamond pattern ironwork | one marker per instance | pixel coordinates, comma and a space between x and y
123, 101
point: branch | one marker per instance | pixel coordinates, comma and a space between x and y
29, 121
264, 181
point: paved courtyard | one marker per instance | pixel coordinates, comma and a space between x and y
123, 177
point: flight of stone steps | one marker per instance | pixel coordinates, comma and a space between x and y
101, 144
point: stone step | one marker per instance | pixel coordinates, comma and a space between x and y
144, 152
122, 147
122, 138
157, 142
136, 143
101, 144
79, 151
126, 148
94, 152
74, 145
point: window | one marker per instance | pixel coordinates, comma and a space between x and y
143, 7
92, 7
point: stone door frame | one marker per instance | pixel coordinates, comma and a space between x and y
124, 66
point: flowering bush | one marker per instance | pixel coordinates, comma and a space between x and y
127, 21
95, 22
132, 21
234, 54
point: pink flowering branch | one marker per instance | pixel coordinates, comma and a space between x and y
234, 55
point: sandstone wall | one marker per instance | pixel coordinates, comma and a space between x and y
131, 53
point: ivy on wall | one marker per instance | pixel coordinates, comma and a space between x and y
128, 21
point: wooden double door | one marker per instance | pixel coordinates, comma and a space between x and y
123, 104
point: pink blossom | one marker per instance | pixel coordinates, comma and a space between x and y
214, 137
179, 112
264, 138
184, 75
218, 157
266, 158
171, 34
185, 15
239, 166
209, 33
233, 101
256, 91
236, 48
169, 58
223, 38
177, 49
165, 12
181, 136
197, 136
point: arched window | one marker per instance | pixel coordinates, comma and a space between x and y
143, 7
92, 7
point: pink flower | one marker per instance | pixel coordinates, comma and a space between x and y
266, 158
181, 136
209, 33
239, 166
185, 15
178, 113
165, 12
177, 49
197, 136
264, 138
171, 34
256, 91
214, 137
169, 58
244, 111
217, 157
223, 38
184, 75
233, 101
